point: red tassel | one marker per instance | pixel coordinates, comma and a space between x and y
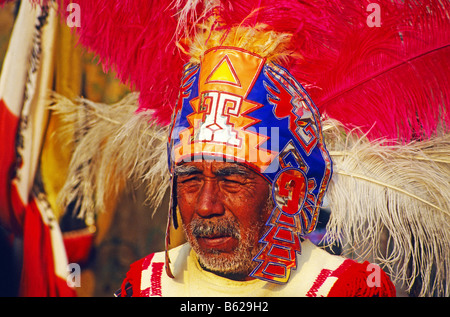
354, 282
78, 245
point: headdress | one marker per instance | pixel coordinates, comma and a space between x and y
232, 72
237, 106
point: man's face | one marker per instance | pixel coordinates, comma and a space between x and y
224, 207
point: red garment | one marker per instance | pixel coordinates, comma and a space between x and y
352, 279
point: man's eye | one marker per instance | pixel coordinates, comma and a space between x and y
233, 180
187, 179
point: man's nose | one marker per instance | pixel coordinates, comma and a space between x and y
209, 203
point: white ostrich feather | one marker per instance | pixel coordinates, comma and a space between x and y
391, 205
113, 146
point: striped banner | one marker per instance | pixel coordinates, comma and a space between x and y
27, 76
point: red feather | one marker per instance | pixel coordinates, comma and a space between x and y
136, 39
390, 81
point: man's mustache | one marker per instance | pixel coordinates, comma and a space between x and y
218, 228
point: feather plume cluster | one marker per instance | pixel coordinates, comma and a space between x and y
136, 39
146, 47
113, 147
390, 81
269, 44
391, 204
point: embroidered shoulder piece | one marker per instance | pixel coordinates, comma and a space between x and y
143, 279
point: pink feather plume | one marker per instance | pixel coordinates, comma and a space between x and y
136, 39
389, 81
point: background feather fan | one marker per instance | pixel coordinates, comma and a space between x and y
391, 204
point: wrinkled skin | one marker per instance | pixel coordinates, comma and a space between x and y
224, 207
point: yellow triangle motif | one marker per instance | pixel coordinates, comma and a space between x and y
224, 73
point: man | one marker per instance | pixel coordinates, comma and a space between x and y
224, 208
241, 112
246, 204
240, 102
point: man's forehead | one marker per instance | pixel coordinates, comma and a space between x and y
214, 166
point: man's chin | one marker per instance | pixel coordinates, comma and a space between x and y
227, 264
224, 265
